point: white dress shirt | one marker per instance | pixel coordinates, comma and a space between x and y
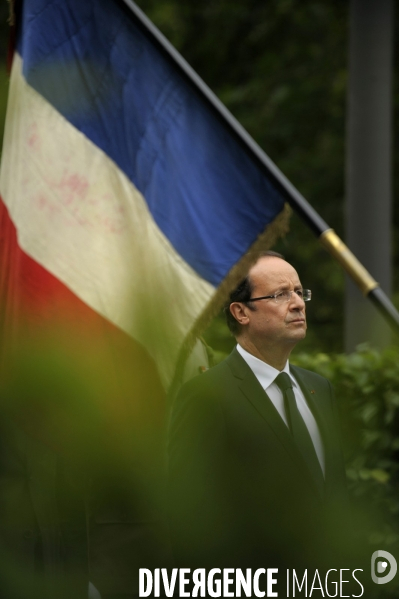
266, 375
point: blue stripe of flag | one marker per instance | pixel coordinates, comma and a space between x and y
102, 73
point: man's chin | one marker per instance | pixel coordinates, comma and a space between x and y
299, 333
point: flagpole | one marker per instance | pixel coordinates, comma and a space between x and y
327, 236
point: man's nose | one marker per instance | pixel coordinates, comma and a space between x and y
296, 302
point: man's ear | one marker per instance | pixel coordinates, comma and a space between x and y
240, 312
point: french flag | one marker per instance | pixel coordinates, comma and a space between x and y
127, 204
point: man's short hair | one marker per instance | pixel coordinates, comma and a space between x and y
243, 291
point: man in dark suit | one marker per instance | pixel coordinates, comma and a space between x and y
256, 474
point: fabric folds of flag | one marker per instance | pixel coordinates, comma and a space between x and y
124, 195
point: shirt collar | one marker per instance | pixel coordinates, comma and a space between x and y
263, 371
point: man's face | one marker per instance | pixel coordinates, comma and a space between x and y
272, 323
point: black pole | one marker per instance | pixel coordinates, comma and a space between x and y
319, 227
385, 306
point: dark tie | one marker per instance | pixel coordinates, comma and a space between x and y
299, 430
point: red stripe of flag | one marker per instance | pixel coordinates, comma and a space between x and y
116, 395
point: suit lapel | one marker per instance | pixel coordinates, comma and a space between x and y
312, 397
250, 387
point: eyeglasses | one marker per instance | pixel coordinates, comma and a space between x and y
285, 296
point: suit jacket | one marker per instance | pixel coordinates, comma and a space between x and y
240, 492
